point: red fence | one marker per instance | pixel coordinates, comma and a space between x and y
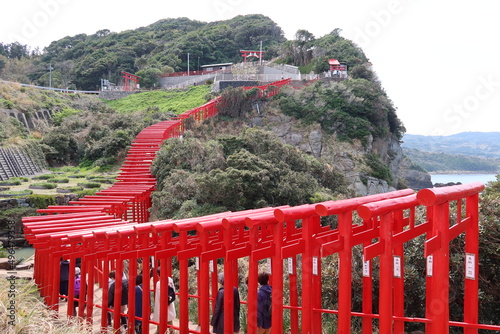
97, 232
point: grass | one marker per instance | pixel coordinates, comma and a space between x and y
66, 178
23, 311
176, 101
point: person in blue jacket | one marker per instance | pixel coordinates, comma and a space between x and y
264, 303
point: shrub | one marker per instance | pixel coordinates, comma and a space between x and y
46, 185
58, 117
234, 103
86, 192
60, 148
378, 169
41, 201
17, 192
21, 178
71, 188
43, 177
9, 182
58, 180
90, 184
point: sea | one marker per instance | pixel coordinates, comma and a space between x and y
462, 178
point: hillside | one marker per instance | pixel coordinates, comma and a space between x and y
480, 144
439, 162
353, 122
175, 101
81, 61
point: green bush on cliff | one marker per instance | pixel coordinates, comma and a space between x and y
251, 170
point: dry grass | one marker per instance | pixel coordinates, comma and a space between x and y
22, 311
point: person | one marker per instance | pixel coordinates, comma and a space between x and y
217, 320
264, 303
171, 305
111, 280
138, 303
76, 290
123, 299
64, 278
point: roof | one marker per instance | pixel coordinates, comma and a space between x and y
333, 62
212, 65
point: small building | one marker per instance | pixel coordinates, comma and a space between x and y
337, 69
215, 67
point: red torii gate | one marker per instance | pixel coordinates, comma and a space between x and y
128, 79
104, 240
251, 53
275, 234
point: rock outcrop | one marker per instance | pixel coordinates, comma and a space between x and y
349, 158
416, 178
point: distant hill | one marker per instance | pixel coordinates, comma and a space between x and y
438, 162
480, 144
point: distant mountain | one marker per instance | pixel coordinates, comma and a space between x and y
480, 144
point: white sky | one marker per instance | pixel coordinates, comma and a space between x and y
437, 60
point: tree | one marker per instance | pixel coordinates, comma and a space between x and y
149, 77
250, 170
60, 148
103, 32
66, 71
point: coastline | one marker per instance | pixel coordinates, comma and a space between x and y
463, 172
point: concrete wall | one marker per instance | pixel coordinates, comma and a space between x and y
28, 119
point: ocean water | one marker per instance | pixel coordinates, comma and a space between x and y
462, 178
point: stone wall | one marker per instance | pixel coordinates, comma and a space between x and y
115, 94
243, 83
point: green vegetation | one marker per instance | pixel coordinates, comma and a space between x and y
250, 170
17, 192
177, 101
15, 215
46, 185
89, 184
352, 109
59, 116
80, 61
377, 168
443, 162
10, 182
477, 144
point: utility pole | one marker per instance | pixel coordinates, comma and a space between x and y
260, 55
188, 63
50, 75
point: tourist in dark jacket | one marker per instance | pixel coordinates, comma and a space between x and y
123, 299
138, 303
264, 305
64, 278
218, 316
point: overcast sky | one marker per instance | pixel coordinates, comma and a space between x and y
437, 60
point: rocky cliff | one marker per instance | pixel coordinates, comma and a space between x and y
349, 157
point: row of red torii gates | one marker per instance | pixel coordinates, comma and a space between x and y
111, 230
